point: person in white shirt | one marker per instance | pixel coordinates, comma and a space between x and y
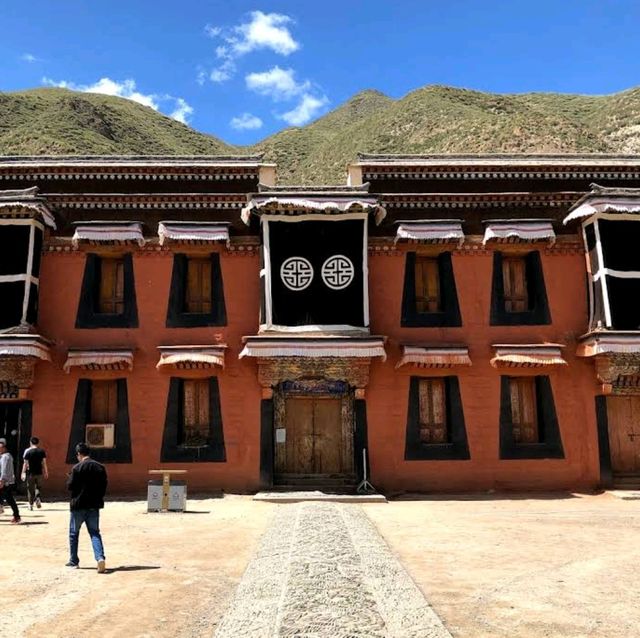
8, 480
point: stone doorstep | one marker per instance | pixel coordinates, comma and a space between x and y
317, 495
625, 495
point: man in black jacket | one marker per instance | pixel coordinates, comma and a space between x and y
88, 485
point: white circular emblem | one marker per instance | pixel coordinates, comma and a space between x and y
337, 272
296, 273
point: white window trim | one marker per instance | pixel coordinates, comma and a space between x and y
27, 277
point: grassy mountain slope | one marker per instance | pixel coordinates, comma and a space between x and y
433, 119
59, 121
439, 119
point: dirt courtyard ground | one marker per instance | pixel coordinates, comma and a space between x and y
526, 566
556, 566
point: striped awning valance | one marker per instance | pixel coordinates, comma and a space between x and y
191, 357
108, 232
437, 231
26, 202
17, 345
310, 203
527, 355
99, 360
267, 347
193, 232
518, 230
434, 356
604, 204
613, 342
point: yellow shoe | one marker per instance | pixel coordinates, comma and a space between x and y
102, 566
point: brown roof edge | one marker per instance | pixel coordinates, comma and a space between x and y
141, 160
498, 159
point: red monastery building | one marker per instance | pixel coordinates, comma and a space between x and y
467, 320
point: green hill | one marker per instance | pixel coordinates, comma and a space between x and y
433, 119
61, 122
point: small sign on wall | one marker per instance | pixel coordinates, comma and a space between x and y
281, 435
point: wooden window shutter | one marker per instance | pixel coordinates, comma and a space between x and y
514, 275
195, 412
427, 285
111, 298
104, 402
198, 298
524, 417
432, 411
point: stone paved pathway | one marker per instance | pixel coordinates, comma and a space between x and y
323, 571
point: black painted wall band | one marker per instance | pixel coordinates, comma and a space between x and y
538, 313
450, 314
604, 450
121, 453
266, 443
457, 447
88, 315
360, 439
550, 445
172, 451
177, 317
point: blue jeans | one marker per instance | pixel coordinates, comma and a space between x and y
91, 518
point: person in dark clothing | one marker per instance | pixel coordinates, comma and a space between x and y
34, 469
8, 481
88, 485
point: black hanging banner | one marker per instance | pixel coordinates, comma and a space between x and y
317, 273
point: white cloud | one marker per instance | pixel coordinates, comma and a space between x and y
246, 121
30, 58
178, 107
211, 31
223, 72
265, 31
182, 111
201, 78
307, 109
277, 83
261, 31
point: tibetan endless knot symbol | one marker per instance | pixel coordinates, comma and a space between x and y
296, 273
337, 272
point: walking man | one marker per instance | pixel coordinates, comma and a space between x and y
8, 480
34, 469
88, 485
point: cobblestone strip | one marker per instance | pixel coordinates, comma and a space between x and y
400, 601
326, 594
323, 571
258, 600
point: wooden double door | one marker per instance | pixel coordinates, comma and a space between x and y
316, 439
623, 415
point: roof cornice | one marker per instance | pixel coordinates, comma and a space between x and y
478, 200
198, 168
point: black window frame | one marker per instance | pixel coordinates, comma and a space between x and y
538, 313
457, 447
121, 453
171, 451
449, 315
88, 315
550, 445
177, 317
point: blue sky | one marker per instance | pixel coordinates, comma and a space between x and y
244, 70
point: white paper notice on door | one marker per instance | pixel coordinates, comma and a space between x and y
281, 435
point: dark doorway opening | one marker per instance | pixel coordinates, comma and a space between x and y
15, 428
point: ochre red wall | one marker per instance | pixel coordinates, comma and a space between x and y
54, 391
574, 385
